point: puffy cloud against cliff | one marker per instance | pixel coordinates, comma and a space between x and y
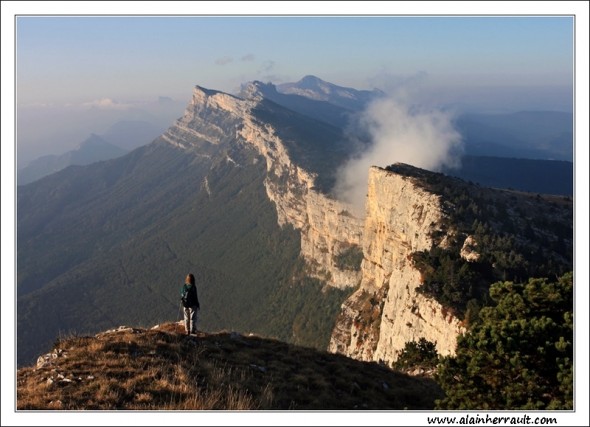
398, 133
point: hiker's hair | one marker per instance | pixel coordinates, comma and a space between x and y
190, 279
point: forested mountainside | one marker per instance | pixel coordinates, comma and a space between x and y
238, 192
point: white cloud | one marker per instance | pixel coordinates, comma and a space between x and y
107, 104
419, 137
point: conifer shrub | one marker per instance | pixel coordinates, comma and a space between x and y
421, 353
350, 258
519, 355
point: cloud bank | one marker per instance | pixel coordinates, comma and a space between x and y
107, 104
424, 138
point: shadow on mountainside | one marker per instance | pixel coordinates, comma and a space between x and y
163, 369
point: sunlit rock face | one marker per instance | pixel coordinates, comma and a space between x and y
387, 311
327, 227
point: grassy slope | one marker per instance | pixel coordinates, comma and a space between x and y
163, 369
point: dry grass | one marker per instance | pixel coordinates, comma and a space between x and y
162, 369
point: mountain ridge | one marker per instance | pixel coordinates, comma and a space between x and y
196, 177
317, 89
544, 135
230, 191
120, 138
92, 149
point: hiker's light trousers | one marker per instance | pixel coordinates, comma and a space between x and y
190, 319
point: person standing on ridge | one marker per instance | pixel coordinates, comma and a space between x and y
190, 302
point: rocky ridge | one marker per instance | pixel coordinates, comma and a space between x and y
403, 217
326, 225
387, 311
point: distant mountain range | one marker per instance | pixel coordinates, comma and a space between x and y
529, 151
535, 176
536, 135
238, 191
316, 89
542, 135
130, 134
93, 149
119, 139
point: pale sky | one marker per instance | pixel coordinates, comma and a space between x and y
123, 64
78, 59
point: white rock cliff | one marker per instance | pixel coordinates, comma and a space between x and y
327, 228
387, 311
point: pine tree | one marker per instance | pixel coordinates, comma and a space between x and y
519, 355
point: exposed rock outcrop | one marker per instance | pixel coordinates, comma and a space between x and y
387, 311
405, 215
326, 225
469, 249
49, 358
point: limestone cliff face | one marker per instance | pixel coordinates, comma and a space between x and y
402, 218
387, 311
210, 118
327, 228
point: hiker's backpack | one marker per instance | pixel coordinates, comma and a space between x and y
189, 296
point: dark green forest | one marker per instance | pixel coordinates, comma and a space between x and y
118, 239
519, 356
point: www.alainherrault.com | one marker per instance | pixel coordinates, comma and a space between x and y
503, 420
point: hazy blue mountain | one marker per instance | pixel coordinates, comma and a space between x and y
319, 90
130, 134
120, 138
535, 176
93, 149
319, 109
545, 135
